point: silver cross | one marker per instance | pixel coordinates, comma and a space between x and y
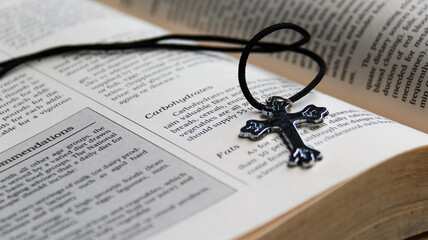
285, 123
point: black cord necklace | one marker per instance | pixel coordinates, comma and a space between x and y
276, 108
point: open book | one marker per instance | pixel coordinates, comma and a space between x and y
144, 144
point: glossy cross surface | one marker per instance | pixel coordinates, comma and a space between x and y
285, 123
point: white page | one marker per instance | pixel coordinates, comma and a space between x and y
229, 174
375, 50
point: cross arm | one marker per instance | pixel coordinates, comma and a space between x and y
310, 114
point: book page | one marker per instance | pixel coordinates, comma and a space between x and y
375, 50
144, 144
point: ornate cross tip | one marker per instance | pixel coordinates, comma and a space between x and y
285, 123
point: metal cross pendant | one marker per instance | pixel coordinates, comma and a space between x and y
285, 123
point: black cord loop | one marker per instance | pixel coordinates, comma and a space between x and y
293, 47
152, 43
156, 43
